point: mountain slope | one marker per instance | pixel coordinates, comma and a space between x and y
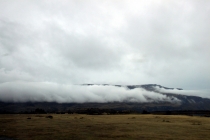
185, 102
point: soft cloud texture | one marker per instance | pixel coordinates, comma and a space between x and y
50, 92
200, 93
102, 42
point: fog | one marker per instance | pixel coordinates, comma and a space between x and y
52, 92
199, 93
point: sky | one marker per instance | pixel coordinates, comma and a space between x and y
72, 42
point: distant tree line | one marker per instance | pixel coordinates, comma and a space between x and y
98, 111
184, 112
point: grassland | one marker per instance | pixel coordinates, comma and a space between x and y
104, 127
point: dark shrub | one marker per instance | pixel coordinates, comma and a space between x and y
50, 117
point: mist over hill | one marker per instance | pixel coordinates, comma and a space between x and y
89, 93
59, 56
56, 98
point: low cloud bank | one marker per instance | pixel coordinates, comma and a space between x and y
52, 92
199, 93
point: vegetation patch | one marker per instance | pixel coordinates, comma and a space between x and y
50, 117
104, 127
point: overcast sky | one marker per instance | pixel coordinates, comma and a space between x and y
67, 42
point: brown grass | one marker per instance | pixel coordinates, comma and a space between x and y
103, 127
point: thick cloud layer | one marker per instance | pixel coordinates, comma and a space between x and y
49, 92
49, 45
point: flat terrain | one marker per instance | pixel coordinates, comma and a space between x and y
103, 127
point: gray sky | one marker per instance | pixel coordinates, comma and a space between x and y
105, 42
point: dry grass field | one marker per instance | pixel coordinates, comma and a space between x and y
104, 127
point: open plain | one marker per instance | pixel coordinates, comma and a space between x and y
103, 127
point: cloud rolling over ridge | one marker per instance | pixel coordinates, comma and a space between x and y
199, 93
51, 92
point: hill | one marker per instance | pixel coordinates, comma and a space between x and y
181, 102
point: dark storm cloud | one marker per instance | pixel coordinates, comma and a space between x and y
116, 42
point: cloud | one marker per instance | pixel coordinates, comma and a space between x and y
52, 92
199, 93
126, 42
